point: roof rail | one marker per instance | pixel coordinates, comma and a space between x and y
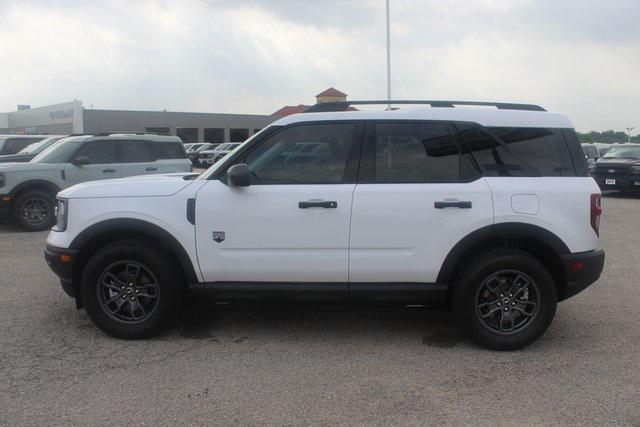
323, 107
128, 133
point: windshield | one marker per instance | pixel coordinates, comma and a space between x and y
623, 152
60, 152
206, 174
38, 147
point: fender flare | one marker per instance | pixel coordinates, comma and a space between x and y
48, 185
138, 226
506, 229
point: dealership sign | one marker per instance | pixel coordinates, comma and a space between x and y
61, 114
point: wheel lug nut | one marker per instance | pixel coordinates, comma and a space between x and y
506, 309
499, 304
501, 295
513, 303
510, 296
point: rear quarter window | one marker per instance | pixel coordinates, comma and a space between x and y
168, 150
518, 151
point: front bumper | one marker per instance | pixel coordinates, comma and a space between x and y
60, 260
622, 182
5, 207
581, 270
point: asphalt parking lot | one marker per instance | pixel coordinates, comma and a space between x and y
319, 365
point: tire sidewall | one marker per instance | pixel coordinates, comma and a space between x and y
16, 210
169, 287
473, 277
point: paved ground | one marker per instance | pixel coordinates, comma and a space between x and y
301, 365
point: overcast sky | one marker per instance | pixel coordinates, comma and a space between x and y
581, 57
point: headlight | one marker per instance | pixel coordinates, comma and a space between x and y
62, 212
1, 179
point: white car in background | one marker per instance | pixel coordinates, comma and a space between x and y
208, 157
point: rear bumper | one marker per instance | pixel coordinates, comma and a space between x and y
60, 261
581, 269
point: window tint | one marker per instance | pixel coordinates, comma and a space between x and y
99, 152
523, 152
168, 150
281, 160
135, 151
409, 152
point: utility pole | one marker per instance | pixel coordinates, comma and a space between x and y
388, 59
628, 129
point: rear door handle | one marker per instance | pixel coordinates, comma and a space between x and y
452, 204
318, 204
108, 170
151, 169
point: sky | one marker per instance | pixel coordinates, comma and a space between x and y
580, 57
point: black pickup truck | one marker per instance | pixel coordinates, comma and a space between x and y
619, 168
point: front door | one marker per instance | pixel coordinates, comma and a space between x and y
102, 163
417, 197
292, 223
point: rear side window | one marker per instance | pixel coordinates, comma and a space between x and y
13, 145
168, 150
518, 151
415, 152
132, 151
99, 152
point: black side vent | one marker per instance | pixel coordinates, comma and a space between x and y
191, 211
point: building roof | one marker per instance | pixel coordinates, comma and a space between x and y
331, 92
287, 110
481, 115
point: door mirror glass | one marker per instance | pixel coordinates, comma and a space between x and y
81, 161
239, 175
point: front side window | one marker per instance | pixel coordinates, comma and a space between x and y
99, 152
415, 153
135, 151
281, 159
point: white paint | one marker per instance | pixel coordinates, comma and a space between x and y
525, 204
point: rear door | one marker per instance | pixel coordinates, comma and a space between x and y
103, 162
170, 157
416, 197
137, 158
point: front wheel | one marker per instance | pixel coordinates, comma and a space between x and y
130, 289
505, 299
33, 210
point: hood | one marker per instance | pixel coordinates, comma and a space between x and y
135, 186
27, 167
15, 158
617, 162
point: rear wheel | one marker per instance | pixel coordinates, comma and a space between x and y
33, 210
131, 289
505, 299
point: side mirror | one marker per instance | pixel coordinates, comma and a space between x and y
239, 175
81, 161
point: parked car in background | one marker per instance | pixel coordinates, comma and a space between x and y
192, 155
619, 168
11, 144
28, 190
208, 157
592, 154
490, 211
32, 150
192, 146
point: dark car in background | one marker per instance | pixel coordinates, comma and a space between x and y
619, 168
31, 150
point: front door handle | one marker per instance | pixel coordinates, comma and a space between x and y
108, 170
452, 204
151, 169
318, 204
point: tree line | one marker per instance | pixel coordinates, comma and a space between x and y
607, 137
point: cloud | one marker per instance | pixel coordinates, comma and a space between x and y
254, 56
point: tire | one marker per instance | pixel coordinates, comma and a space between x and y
491, 312
33, 210
144, 310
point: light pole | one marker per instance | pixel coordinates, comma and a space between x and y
388, 60
629, 129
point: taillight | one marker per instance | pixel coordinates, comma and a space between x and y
596, 211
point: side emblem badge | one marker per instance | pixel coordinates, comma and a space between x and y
218, 236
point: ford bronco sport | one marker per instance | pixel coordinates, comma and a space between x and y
487, 208
28, 190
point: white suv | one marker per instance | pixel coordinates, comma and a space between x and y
490, 211
28, 190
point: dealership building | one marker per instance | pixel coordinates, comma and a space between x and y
72, 117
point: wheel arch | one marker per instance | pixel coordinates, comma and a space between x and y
36, 184
537, 241
90, 240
